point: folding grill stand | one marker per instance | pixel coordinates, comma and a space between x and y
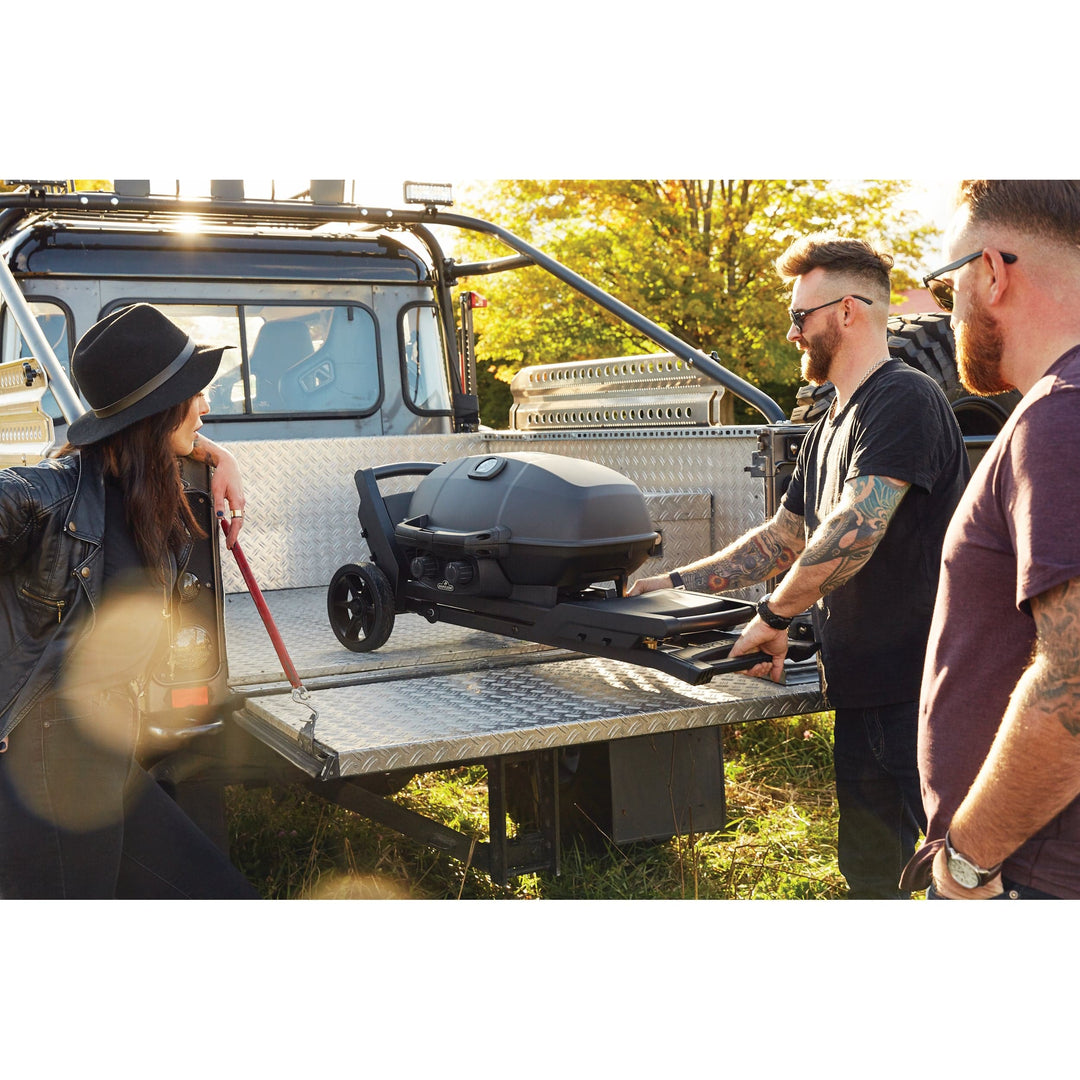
683, 634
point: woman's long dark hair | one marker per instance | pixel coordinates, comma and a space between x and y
149, 472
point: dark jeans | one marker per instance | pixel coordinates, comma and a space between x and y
877, 790
80, 819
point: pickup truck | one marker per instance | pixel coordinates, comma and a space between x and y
352, 381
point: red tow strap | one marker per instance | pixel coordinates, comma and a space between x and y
300, 692
268, 620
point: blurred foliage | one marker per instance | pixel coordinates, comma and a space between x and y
495, 397
695, 256
73, 185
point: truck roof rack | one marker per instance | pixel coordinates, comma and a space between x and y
36, 203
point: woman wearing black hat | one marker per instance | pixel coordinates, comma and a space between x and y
91, 544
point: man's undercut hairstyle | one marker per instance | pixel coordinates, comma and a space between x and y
854, 260
1048, 209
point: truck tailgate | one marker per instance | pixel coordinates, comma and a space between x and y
436, 695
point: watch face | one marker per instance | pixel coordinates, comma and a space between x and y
963, 872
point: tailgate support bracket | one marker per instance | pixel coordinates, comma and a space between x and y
533, 849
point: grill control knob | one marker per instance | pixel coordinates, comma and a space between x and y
423, 566
459, 573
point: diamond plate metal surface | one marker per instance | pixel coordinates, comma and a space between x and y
434, 722
301, 619
480, 694
300, 520
301, 524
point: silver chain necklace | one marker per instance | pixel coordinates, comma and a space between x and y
866, 375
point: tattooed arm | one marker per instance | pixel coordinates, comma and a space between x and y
1033, 769
226, 485
767, 550
841, 544
836, 552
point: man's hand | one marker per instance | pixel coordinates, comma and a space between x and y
946, 886
649, 584
757, 637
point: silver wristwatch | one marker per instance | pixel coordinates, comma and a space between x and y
965, 873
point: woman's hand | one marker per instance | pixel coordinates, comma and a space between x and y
226, 484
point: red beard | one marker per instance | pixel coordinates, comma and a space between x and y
978, 352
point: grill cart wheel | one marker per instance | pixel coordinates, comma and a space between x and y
360, 606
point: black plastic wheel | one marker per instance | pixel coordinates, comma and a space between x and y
360, 606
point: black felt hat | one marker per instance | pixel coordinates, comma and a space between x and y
133, 363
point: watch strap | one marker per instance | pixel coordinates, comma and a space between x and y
769, 617
676, 580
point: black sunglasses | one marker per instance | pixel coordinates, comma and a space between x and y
942, 291
798, 317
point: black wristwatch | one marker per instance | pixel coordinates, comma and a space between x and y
967, 874
769, 617
676, 580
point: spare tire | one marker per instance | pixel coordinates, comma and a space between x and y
925, 342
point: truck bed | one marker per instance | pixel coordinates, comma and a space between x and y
437, 695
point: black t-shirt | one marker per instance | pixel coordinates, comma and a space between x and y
128, 632
124, 567
873, 630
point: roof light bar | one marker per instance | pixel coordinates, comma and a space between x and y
429, 194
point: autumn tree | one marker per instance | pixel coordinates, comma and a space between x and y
696, 256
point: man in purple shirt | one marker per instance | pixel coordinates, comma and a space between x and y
999, 724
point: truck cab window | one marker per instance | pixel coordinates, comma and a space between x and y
290, 358
215, 324
422, 359
312, 359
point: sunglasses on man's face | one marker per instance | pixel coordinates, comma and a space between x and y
942, 291
798, 317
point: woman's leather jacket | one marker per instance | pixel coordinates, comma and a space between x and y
52, 524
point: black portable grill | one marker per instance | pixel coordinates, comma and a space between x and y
534, 546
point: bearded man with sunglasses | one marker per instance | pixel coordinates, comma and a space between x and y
859, 532
999, 725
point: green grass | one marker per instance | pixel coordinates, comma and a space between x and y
779, 841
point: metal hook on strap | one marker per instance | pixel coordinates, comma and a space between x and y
307, 733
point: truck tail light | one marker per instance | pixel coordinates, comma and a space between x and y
189, 696
191, 651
